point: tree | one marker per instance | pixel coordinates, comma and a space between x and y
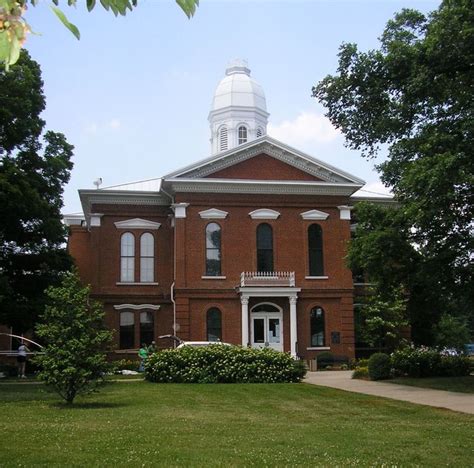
14, 29
75, 338
32, 236
414, 96
452, 332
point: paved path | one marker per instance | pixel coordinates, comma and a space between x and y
463, 402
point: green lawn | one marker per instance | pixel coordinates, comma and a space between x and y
143, 424
453, 384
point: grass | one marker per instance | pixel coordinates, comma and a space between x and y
452, 384
143, 424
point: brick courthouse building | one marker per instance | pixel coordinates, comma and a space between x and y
246, 246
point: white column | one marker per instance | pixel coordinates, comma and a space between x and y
244, 300
293, 326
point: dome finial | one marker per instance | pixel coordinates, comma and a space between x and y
238, 66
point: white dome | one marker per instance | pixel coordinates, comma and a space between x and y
238, 89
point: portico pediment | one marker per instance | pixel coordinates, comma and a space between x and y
137, 223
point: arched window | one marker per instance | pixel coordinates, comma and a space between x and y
127, 330
147, 258
223, 140
264, 247
127, 258
315, 250
214, 325
317, 327
242, 134
259, 132
213, 249
147, 334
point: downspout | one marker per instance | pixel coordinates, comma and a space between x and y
174, 265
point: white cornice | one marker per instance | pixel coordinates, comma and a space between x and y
273, 148
213, 213
276, 187
136, 306
314, 215
264, 213
137, 223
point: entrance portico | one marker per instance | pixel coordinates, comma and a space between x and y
268, 324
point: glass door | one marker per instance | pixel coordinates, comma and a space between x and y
266, 331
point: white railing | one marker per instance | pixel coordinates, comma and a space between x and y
267, 278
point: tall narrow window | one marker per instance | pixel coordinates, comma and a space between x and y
242, 135
147, 258
315, 249
127, 330
214, 325
127, 258
264, 247
147, 334
317, 327
213, 249
223, 140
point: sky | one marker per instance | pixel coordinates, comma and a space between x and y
133, 95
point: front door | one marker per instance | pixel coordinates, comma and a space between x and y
267, 330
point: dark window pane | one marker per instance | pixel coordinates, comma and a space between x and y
213, 250
127, 330
317, 327
265, 308
315, 250
259, 330
264, 247
214, 325
147, 334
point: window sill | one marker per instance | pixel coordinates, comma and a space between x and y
214, 277
319, 348
120, 283
316, 277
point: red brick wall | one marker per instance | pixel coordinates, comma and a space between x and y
262, 167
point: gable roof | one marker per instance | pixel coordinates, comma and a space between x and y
272, 147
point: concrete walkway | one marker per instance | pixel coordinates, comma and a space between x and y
462, 402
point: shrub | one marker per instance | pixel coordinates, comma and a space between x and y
428, 362
379, 366
360, 373
223, 364
126, 364
344, 367
325, 359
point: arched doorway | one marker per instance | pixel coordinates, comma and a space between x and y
266, 326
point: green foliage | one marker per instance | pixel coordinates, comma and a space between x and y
126, 364
413, 96
379, 366
361, 373
383, 317
14, 28
452, 332
32, 179
325, 359
223, 364
428, 362
75, 340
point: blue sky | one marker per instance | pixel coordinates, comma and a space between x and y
134, 93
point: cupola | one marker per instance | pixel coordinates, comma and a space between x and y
239, 110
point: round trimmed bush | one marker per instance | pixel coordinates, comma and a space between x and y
360, 373
379, 366
223, 364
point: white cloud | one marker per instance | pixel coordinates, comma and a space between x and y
308, 127
91, 127
114, 124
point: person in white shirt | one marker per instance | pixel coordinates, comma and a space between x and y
21, 359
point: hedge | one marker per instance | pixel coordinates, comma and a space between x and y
222, 364
379, 366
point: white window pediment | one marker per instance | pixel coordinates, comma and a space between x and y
314, 215
213, 213
137, 223
264, 213
136, 306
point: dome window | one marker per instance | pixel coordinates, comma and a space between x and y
242, 135
223, 140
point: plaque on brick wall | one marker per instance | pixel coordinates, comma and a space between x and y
335, 338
